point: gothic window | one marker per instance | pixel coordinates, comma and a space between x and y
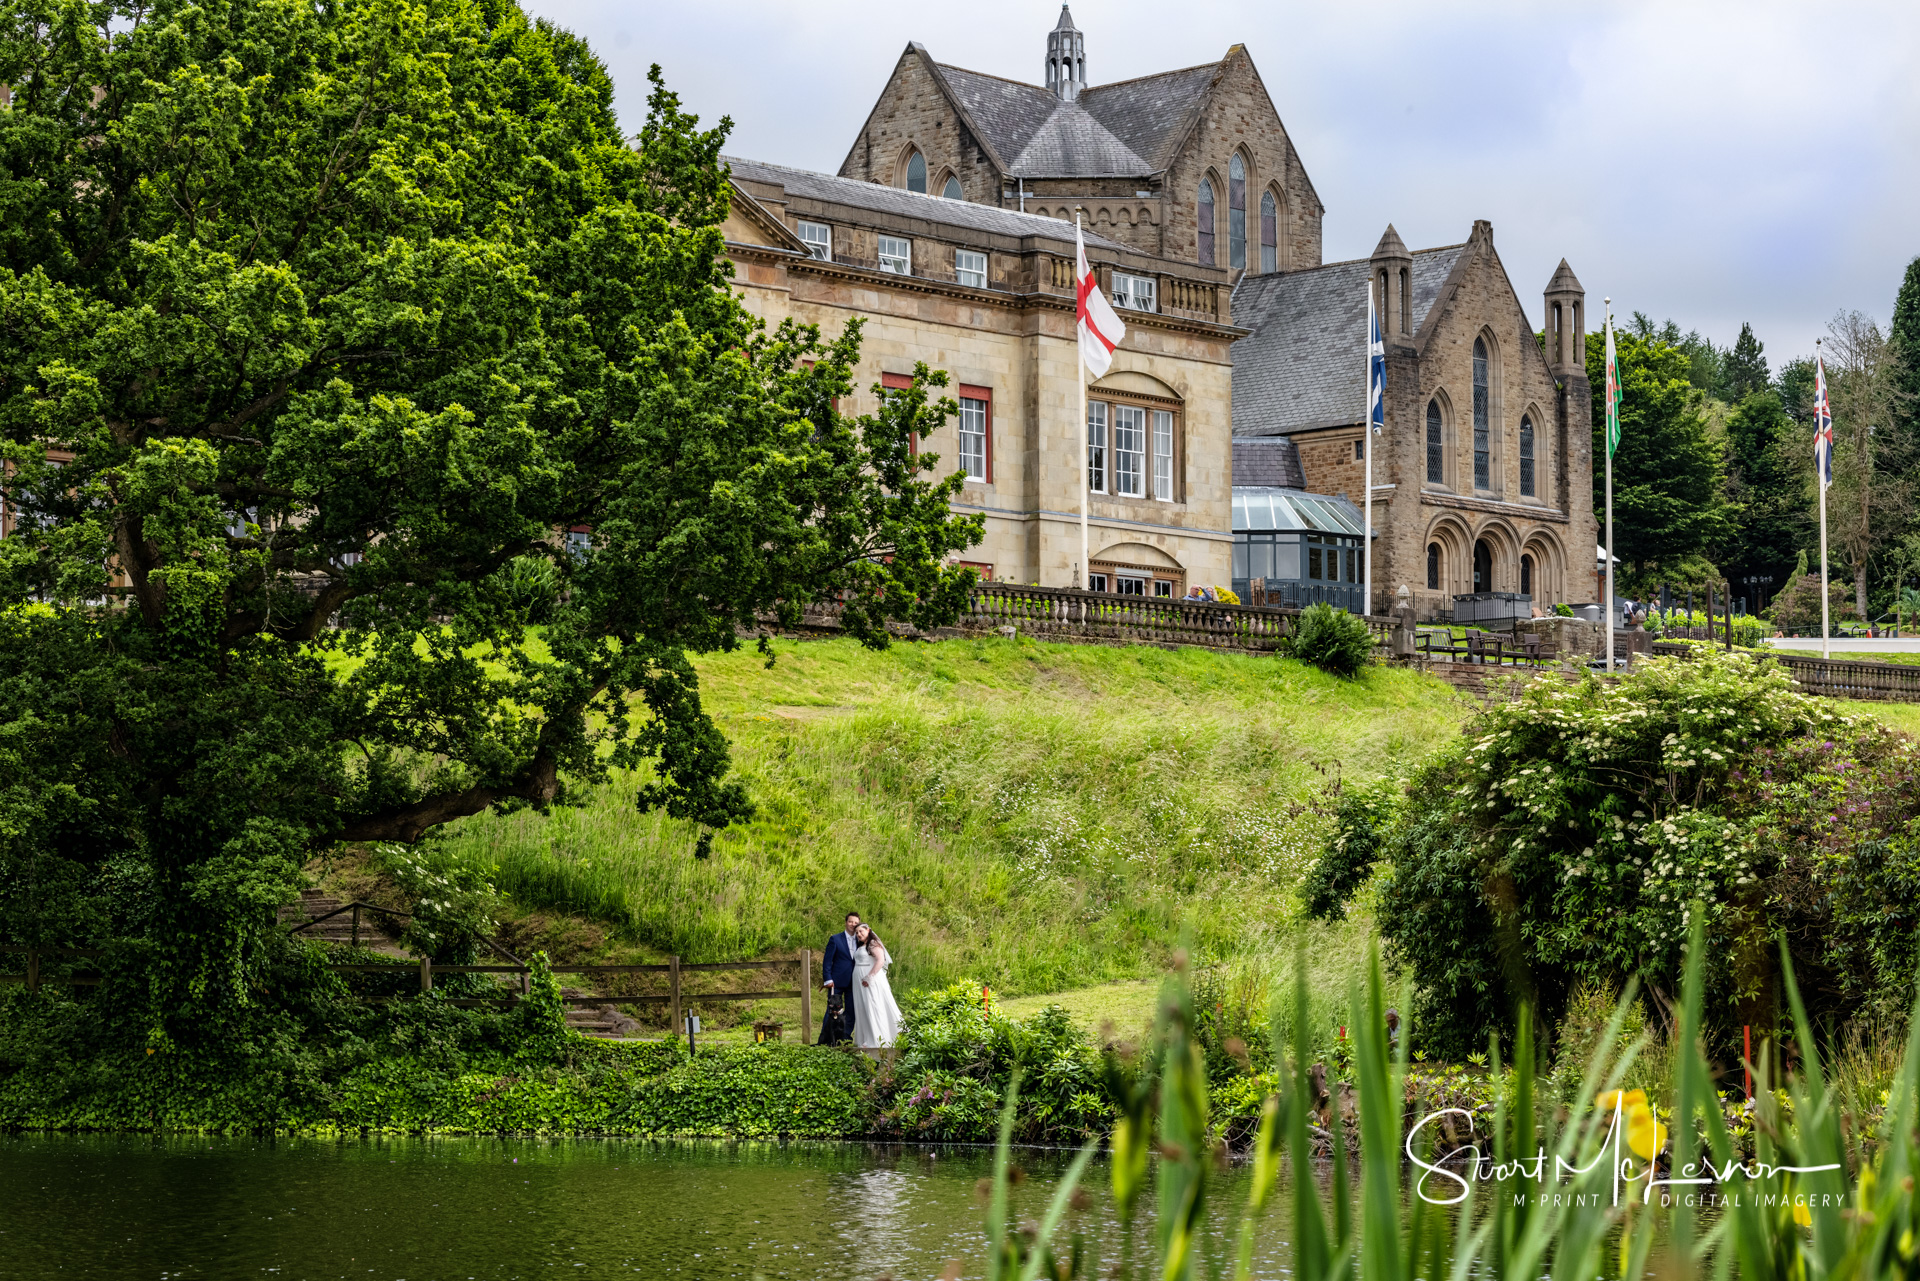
1236, 212
1204, 216
1526, 457
1433, 567
1406, 301
1269, 234
1482, 472
1436, 456
1526, 575
952, 190
916, 172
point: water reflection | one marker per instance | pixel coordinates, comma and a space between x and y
451, 1208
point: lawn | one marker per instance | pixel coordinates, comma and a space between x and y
1043, 818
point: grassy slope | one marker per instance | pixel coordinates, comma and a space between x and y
1042, 817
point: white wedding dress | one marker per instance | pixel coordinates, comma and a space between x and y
876, 1019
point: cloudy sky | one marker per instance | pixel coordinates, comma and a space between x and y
1713, 162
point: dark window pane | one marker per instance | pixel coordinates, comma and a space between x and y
1482, 477
1526, 457
917, 172
1203, 215
1313, 562
1433, 566
1236, 213
1436, 457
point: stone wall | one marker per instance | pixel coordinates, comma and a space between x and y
1555, 527
913, 112
1240, 115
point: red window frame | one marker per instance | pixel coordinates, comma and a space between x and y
970, 392
899, 382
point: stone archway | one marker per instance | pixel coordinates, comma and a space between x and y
1482, 565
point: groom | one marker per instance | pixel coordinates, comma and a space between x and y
837, 971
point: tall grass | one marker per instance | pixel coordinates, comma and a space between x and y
1823, 1188
1037, 816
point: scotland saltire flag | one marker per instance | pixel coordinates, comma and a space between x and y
1822, 423
1376, 370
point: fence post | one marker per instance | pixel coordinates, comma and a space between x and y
673, 993
806, 995
426, 974
33, 971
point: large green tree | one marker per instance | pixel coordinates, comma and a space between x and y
1669, 483
1905, 332
1769, 486
321, 324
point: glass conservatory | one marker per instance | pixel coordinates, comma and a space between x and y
1305, 547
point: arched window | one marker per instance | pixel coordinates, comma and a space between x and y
1204, 217
916, 172
1526, 457
1482, 472
1526, 575
1269, 234
1482, 566
1433, 566
1236, 212
1436, 456
1406, 301
952, 190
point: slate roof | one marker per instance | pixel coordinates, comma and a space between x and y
1304, 364
912, 204
1151, 114
1129, 129
1267, 460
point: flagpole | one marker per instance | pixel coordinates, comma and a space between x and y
1608, 436
1080, 364
1826, 628
1366, 443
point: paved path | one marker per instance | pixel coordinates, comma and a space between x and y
1850, 644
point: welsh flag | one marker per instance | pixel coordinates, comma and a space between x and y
1100, 330
1613, 393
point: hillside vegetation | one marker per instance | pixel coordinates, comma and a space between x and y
1040, 817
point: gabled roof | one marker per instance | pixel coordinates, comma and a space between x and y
961, 214
1152, 114
1128, 129
1304, 364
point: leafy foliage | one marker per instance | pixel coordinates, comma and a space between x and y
1331, 639
1668, 498
1561, 839
1362, 819
320, 328
958, 1057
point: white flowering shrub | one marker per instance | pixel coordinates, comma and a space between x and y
1566, 835
453, 902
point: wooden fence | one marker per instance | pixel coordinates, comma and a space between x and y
674, 998
1835, 678
1064, 614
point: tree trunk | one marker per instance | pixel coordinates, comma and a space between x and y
1860, 589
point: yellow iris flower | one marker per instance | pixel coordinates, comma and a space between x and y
1645, 1135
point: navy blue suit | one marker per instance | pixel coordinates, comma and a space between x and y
836, 967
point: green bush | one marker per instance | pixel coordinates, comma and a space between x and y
1331, 639
1558, 841
531, 585
1362, 819
957, 1057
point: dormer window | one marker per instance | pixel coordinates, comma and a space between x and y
896, 255
819, 239
1138, 293
917, 173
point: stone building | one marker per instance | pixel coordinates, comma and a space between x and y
1483, 475
949, 229
987, 295
1192, 165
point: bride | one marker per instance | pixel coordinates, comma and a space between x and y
876, 1018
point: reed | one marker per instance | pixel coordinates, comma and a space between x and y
1821, 1189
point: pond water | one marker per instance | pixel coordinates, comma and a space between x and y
452, 1208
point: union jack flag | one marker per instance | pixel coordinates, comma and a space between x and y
1822, 423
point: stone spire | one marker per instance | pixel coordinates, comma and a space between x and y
1566, 318
1392, 266
1066, 58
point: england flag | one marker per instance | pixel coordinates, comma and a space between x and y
1100, 330
1822, 423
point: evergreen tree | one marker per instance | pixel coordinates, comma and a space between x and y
1669, 482
1745, 366
1906, 341
1769, 492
